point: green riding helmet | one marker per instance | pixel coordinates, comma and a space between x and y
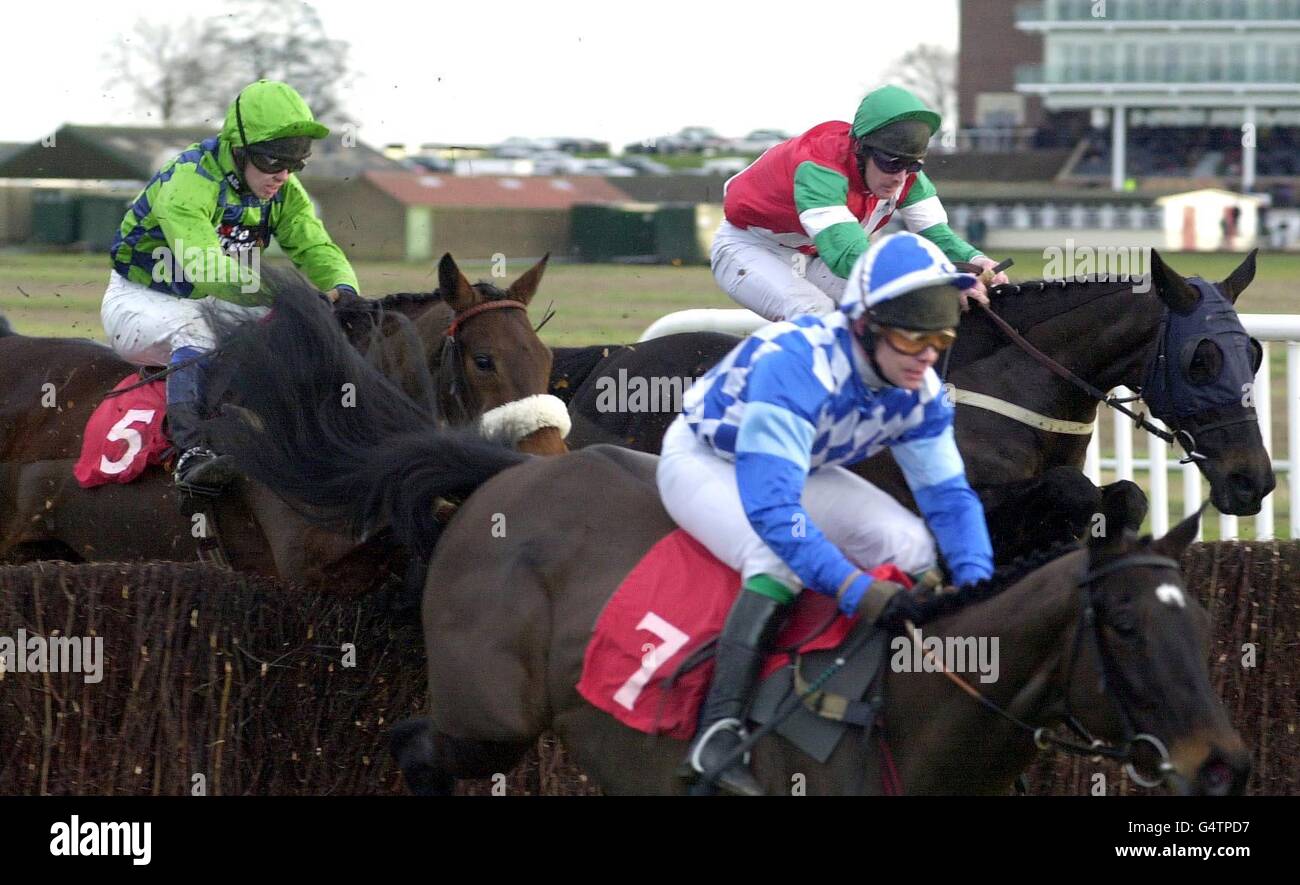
895, 121
270, 118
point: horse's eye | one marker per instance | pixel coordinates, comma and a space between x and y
1256, 355
484, 362
1206, 363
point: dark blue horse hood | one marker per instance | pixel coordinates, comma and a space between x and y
1169, 391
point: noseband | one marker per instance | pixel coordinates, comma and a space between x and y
1090, 624
1088, 619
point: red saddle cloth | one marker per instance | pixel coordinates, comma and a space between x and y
124, 435
675, 600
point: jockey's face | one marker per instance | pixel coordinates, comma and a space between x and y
264, 185
883, 184
900, 369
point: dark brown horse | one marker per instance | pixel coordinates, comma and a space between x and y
1029, 480
498, 361
522, 571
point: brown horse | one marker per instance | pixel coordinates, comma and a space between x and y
497, 361
521, 573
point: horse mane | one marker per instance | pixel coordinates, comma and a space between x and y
1024, 306
405, 303
6, 330
1006, 576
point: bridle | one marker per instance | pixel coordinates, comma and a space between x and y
449, 361
1088, 624
1182, 435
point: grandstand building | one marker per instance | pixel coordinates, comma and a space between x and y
1165, 92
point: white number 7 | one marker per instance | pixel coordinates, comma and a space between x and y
655, 657
122, 430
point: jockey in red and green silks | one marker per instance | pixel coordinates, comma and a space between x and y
190, 244
800, 215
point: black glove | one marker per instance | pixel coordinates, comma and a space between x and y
901, 607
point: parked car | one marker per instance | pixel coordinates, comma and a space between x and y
758, 141
643, 165
723, 166
603, 166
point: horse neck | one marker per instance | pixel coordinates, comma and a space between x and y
1119, 344
943, 740
1106, 341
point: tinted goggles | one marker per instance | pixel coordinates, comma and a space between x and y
914, 343
891, 164
274, 165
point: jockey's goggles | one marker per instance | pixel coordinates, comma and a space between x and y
274, 165
912, 343
891, 164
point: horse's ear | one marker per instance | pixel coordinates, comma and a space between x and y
456, 290
524, 288
1171, 287
1174, 543
1109, 537
1240, 278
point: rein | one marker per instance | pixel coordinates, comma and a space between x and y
1183, 437
1093, 391
1095, 747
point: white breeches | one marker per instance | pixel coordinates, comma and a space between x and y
776, 282
145, 326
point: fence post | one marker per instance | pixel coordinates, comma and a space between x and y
1264, 411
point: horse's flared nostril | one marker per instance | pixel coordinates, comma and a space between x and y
1223, 774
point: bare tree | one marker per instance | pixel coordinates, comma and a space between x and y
164, 66
930, 71
189, 71
271, 39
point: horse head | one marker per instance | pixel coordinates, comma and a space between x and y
1200, 382
1135, 670
492, 368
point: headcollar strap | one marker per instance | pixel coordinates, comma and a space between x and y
462, 317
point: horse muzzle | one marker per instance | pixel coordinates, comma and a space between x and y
1209, 769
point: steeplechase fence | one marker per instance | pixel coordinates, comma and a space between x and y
215, 683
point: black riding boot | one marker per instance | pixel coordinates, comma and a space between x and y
197, 465
751, 626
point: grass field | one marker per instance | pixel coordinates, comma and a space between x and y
59, 294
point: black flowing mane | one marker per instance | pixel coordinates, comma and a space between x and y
1008, 575
1025, 305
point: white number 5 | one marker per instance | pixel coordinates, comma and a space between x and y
655, 657
122, 430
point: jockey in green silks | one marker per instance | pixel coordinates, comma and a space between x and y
801, 214
189, 247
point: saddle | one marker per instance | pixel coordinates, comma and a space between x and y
649, 661
124, 437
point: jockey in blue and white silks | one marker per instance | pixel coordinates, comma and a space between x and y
754, 466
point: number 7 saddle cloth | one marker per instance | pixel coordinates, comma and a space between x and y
124, 435
667, 609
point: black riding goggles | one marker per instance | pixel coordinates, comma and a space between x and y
891, 164
275, 165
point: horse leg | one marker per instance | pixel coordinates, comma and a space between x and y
1125, 503
1034, 514
432, 761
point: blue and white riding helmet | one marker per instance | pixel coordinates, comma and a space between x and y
903, 280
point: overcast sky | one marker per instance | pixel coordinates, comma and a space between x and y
472, 72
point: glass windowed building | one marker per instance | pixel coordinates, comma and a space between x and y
1231, 64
